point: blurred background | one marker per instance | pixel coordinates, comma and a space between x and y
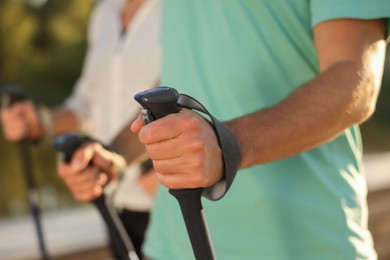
42, 45
41, 48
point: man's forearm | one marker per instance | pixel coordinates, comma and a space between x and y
351, 58
313, 114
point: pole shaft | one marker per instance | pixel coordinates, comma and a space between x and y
32, 195
195, 221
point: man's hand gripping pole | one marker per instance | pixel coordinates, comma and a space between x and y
157, 103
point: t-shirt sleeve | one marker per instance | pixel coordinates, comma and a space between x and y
323, 10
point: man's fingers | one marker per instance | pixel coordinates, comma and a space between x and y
182, 172
180, 180
164, 150
160, 130
184, 150
137, 124
171, 126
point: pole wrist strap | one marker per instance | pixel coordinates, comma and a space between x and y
229, 146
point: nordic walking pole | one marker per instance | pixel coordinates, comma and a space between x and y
157, 103
67, 144
10, 95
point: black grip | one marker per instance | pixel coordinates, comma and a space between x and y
157, 103
195, 221
11, 94
66, 145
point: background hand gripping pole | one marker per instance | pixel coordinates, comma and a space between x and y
159, 102
67, 144
11, 94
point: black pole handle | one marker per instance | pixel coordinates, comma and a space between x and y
66, 145
11, 94
157, 103
195, 220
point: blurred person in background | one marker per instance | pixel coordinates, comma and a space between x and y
123, 58
292, 80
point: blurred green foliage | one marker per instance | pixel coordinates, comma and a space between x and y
41, 48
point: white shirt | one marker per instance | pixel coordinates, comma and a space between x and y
117, 66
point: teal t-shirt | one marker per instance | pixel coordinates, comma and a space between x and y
239, 56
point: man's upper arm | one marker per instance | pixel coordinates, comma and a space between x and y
355, 48
354, 40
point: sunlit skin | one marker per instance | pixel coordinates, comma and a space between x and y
351, 55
